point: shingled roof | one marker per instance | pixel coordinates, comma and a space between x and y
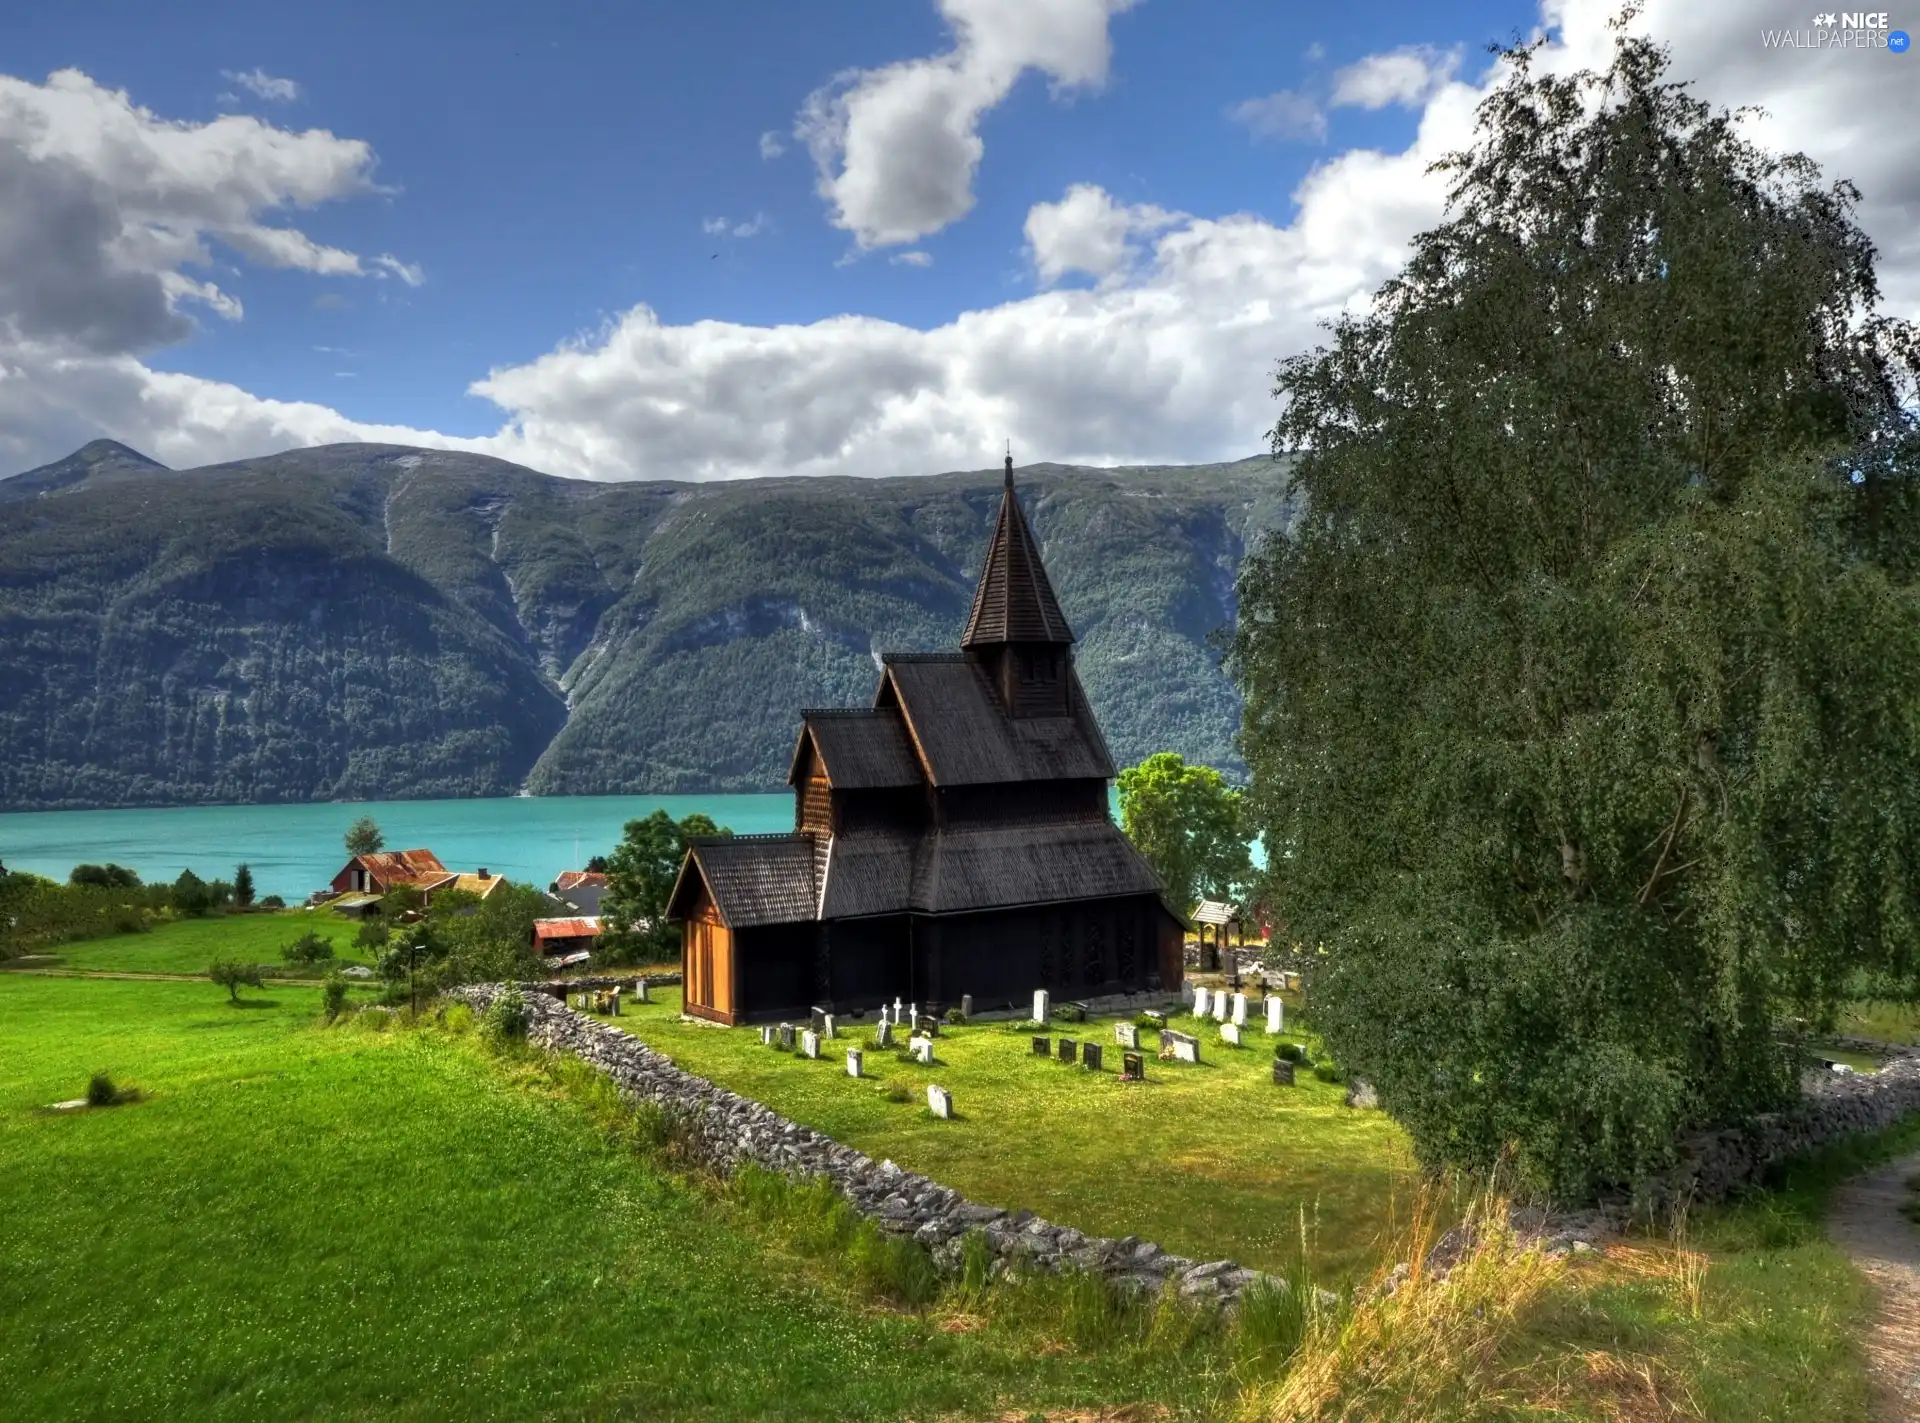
1014, 601
862, 749
754, 879
969, 740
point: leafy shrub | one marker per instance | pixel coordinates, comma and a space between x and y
506, 1018
103, 877
190, 895
1290, 1052
1070, 1013
956, 1017
307, 951
1026, 1025
1146, 1024
1327, 1072
373, 935
333, 993
894, 1090
100, 1091
231, 974
273, 901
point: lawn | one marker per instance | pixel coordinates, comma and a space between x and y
309, 1222
1209, 1161
189, 945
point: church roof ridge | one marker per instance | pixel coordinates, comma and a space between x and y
1014, 601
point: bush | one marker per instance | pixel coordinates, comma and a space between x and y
104, 877
100, 1091
273, 901
956, 1017
1327, 1072
1290, 1052
231, 974
307, 951
333, 993
1069, 1013
190, 895
506, 1018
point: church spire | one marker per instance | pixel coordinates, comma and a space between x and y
1014, 601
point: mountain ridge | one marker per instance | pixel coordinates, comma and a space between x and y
382, 621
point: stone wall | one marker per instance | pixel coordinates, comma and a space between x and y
726, 1130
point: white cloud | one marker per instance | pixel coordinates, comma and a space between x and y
912, 258
1169, 360
263, 85
897, 147
771, 145
726, 227
1407, 76
1285, 114
1087, 231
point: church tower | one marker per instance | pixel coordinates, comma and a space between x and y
1016, 631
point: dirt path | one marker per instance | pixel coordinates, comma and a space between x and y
1865, 1221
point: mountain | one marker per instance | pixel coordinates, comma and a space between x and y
374, 621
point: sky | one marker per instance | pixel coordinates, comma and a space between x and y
765, 237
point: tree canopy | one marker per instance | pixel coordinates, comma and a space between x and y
640, 875
1187, 821
363, 837
1582, 709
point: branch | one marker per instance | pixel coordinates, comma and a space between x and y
1673, 833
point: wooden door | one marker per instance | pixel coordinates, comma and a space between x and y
708, 967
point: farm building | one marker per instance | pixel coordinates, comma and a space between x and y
557, 938
578, 891
952, 838
365, 878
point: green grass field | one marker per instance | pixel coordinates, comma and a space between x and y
189, 945
302, 1222
1209, 1161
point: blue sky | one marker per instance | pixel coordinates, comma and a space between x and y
542, 182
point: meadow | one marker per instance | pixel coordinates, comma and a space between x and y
189, 945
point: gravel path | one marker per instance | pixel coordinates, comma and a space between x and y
1865, 1221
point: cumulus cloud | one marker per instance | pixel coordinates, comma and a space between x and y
262, 85
1167, 357
1087, 231
897, 147
1407, 76
726, 227
772, 145
1284, 114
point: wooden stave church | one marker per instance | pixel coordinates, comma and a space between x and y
954, 838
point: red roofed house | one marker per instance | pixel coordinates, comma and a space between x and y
556, 937
389, 869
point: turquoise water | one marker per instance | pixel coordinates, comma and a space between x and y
296, 849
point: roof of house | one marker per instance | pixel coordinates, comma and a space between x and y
1212, 911
576, 879
861, 748
967, 737
473, 884
400, 866
581, 928
753, 879
1014, 600
357, 899
581, 899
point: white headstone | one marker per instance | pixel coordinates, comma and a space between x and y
922, 1050
853, 1062
828, 1025
883, 1035
966, 1005
1276, 1015
913, 1012
1041, 1005
1222, 1010
1239, 1010
1202, 1002
897, 1010
1185, 1049
1230, 1033
1186, 991
939, 1101
640, 991
810, 1044
1126, 1035
766, 1037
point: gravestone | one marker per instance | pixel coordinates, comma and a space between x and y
1090, 1056
853, 1062
940, 1101
826, 1027
1361, 1093
1282, 1072
766, 1037
810, 1044
1042, 1048
1222, 1009
927, 1025
616, 1000
1230, 1033
1133, 1067
818, 1018
913, 1012
883, 1014
1068, 1047
883, 1034
1202, 1002
1276, 1015
897, 1010
1186, 992
1041, 1003
640, 991
922, 1049
1126, 1035
1239, 1010
966, 1005
786, 1037
1186, 1047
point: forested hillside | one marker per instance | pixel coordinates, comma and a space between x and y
377, 621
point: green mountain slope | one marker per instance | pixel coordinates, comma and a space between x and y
378, 621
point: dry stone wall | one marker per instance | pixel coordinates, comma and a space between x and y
727, 1130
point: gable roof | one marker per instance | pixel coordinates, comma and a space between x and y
582, 928
861, 748
958, 724
1014, 600
1213, 911
752, 879
392, 867
575, 879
